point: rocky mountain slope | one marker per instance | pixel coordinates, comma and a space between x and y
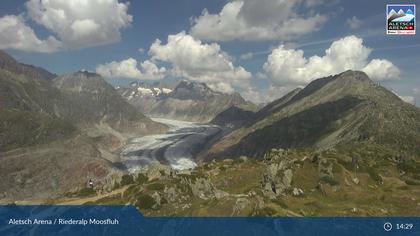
284, 183
28, 108
93, 100
342, 146
233, 117
343, 110
10, 64
54, 134
189, 101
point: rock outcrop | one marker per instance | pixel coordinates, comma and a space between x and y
278, 175
202, 188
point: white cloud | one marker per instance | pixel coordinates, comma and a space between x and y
81, 23
14, 33
192, 59
221, 87
416, 91
408, 99
262, 96
256, 20
354, 23
141, 50
247, 56
128, 69
289, 66
382, 70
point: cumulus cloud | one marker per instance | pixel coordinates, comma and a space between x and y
128, 68
81, 24
263, 96
16, 34
354, 23
257, 20
381, 70
192, 59
408, 99
221, 87
247, 56
290, 66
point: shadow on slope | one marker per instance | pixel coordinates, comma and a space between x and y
300, 130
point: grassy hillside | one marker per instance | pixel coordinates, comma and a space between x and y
22, 128
284, 183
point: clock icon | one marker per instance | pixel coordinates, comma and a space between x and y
387, 226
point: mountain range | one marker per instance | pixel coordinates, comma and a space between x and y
314, 151
187, 100
55, 132
341, 146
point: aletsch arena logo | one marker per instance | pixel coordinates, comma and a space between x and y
401, 18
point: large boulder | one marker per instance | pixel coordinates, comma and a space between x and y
155, 170
157, 199
241, 205
170, 194
202, 188
277, 178
325, 169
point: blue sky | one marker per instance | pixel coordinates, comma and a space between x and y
217, 46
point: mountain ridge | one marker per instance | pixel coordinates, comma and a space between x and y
374, 115
56, 134
100, 103
9, 63
190, 101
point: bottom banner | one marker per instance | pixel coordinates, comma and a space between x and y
127, 220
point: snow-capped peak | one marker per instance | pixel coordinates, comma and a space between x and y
138, 89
